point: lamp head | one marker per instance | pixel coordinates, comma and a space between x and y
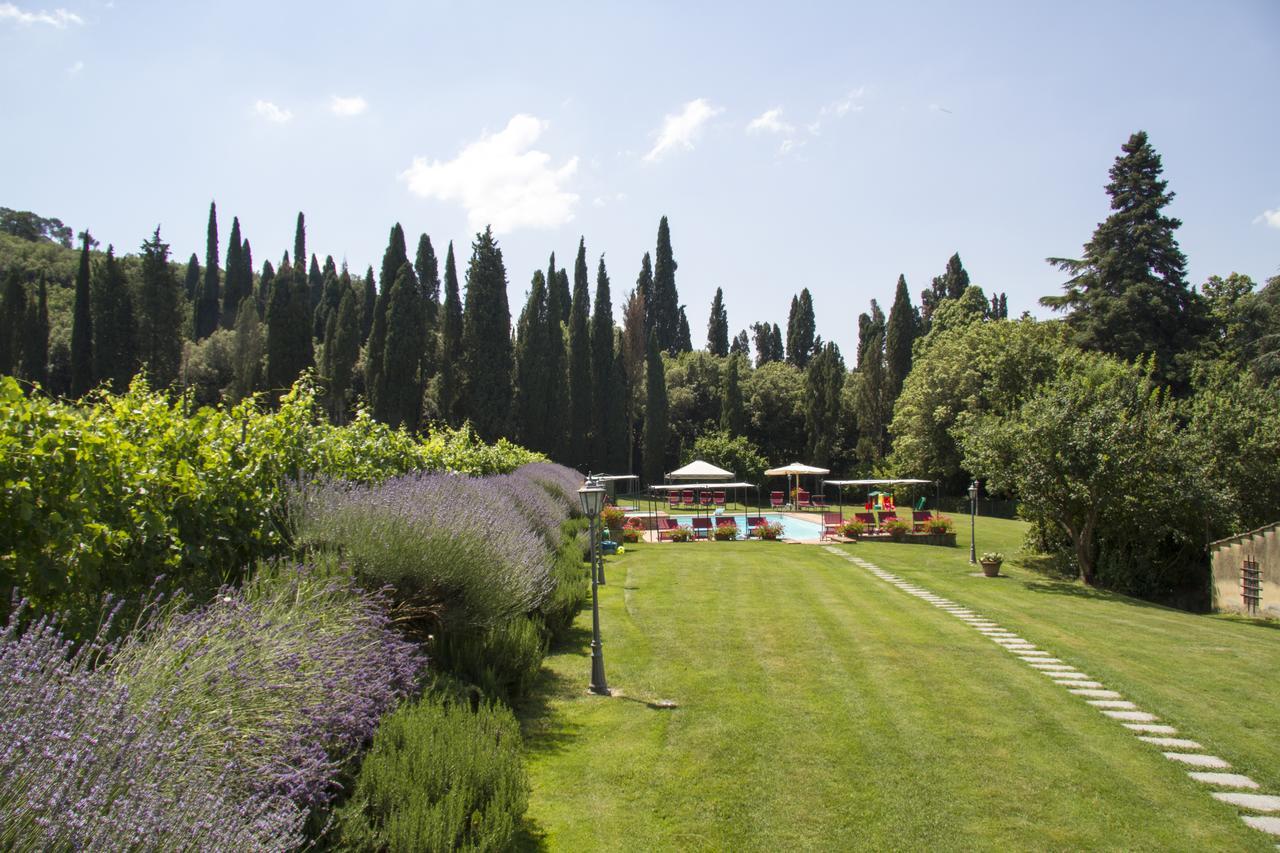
591, 497
973, 490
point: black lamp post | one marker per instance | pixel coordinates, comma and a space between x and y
973, 515
592, 498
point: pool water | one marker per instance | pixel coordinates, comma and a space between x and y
792, 528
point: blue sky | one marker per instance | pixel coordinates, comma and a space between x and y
828, 146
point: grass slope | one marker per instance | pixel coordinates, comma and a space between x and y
820, 707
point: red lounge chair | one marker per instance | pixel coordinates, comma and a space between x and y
665, 526
707, 499
886, 517
719, 496
831, 522
868, 520
702, 527
673, 500
728, 521
775, 499
754, 521
819, 501
919, 518
687, 499
802, 498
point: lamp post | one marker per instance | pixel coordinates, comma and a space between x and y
597, 565
973, 516
592, 498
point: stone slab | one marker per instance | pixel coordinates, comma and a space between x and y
1035, 653
1048, 661
1269, 825
1155, 729
1253, 802
1226, 780
1091, 693
1045, 664
1171, 742
1068, 674
1120, 704
1078, 683
1198, 759
1132, 716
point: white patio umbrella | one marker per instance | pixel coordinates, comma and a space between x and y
699, 470
796, 468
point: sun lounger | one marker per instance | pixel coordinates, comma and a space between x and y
919, 518
831, 522
702, 527
754, 521
665, 528
802, 498
775, 499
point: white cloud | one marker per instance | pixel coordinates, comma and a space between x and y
347, 107
682, 128
849, 103
501, 180
75, 68
770, 121
1269, 217
271, 112
789, 145
57, 18
604, 201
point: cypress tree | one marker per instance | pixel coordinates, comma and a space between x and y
762, 336
191, 284
450, 346
402, 357
13, 313
644, 290
532, 389
208, 307
341, 353
487, 356
35, 350
288, 328
618, 444
666, 299
824, 385
247, 356
741, 344
900, 334
950, 285
81, 327
733, 417
300, 243
1128, 295
656, 426
872, 413
159, 314
684, 341
368, 300
428, 270
580, 399
603, 431
315, 288
775, 344
266, 282
373, 360
555, 364
114, 359
564, 296
332, 291
246, 276
718, 326
394, 257
801, 330
236, 286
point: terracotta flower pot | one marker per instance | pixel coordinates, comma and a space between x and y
991, 568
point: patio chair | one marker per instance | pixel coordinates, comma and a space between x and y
818, 501
687, 498
702, 527
754, 521
707, 499
775, 499
673, 500
802, 498
919, 518
831, 523
868, 520
728, 521
665, 528
719, 496
886, 517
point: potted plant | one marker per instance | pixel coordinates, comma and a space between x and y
613, 519
991, 561
898, 530
940, 524
631, 534
683, 533
726, 532
852, 529
770, 530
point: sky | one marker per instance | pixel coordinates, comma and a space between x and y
831, 146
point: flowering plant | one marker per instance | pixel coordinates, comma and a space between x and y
612, 517
852, 529
726, 532
683, 533
631, 534
992, 557
898, 530
770, 530
940, 524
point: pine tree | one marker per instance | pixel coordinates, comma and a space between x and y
604, 394
554, 363
656, 426
236, 286
341, 352
684, 340
1128, 296
872, 415
581, 406
81, 327
741, 344
718, 326
159, 314
450, 346
824, 385
192, 280
402, 358
532, 381
486, 340
114, 334
666, 299
733, 417
801, 329
208, 307
900, 334
35, 350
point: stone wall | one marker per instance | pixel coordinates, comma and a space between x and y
1228, 556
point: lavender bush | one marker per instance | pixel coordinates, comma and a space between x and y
85, 765
531, 499
452, 547
561, 482
289, 674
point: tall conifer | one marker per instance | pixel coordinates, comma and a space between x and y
208, 307
603, 431
300, 244
666, 299
236, 286
341, 353
900, 334
159, 313
35, 350
13, 313
368, 301
580, 397
733, 418
644, 291
801, 330
872, 413
532, 381
555, 364
81, 327
487, 356
402, 358
718, 326
191, 282
824, 385
656, 424
450, 346
114, 332
684, 340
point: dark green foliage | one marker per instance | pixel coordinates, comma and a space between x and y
428, 271
332, 290
208, 305
607, 415
238, 285
288, 329
665, 305
695, 388
949, 285
82, 328
555, 428
315, 288
368, 305
265, 284
619, 447
873, 403
684, 342
401, 373
741, 344
35, 350
502, 661
450, 374
28, 226
341, 350
718, 326
13, 313
581, 405
733, 415
438, 777
768, 343
1244, 323
733, 453
532, 381
656, 427
249, 347
1128, 295
300, 243
192, 280
644, 291
775, 395
824, 412
394, 257
570, 573
114, 333
899, 336
558, 288
159, 314
802, 338
487, 357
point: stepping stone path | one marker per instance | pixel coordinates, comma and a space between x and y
1143, 724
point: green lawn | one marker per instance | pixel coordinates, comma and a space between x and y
820, 707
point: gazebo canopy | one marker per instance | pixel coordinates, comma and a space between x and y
876, 482
795, 468
680, 486
699, 470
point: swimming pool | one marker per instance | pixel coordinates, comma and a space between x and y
792, 528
